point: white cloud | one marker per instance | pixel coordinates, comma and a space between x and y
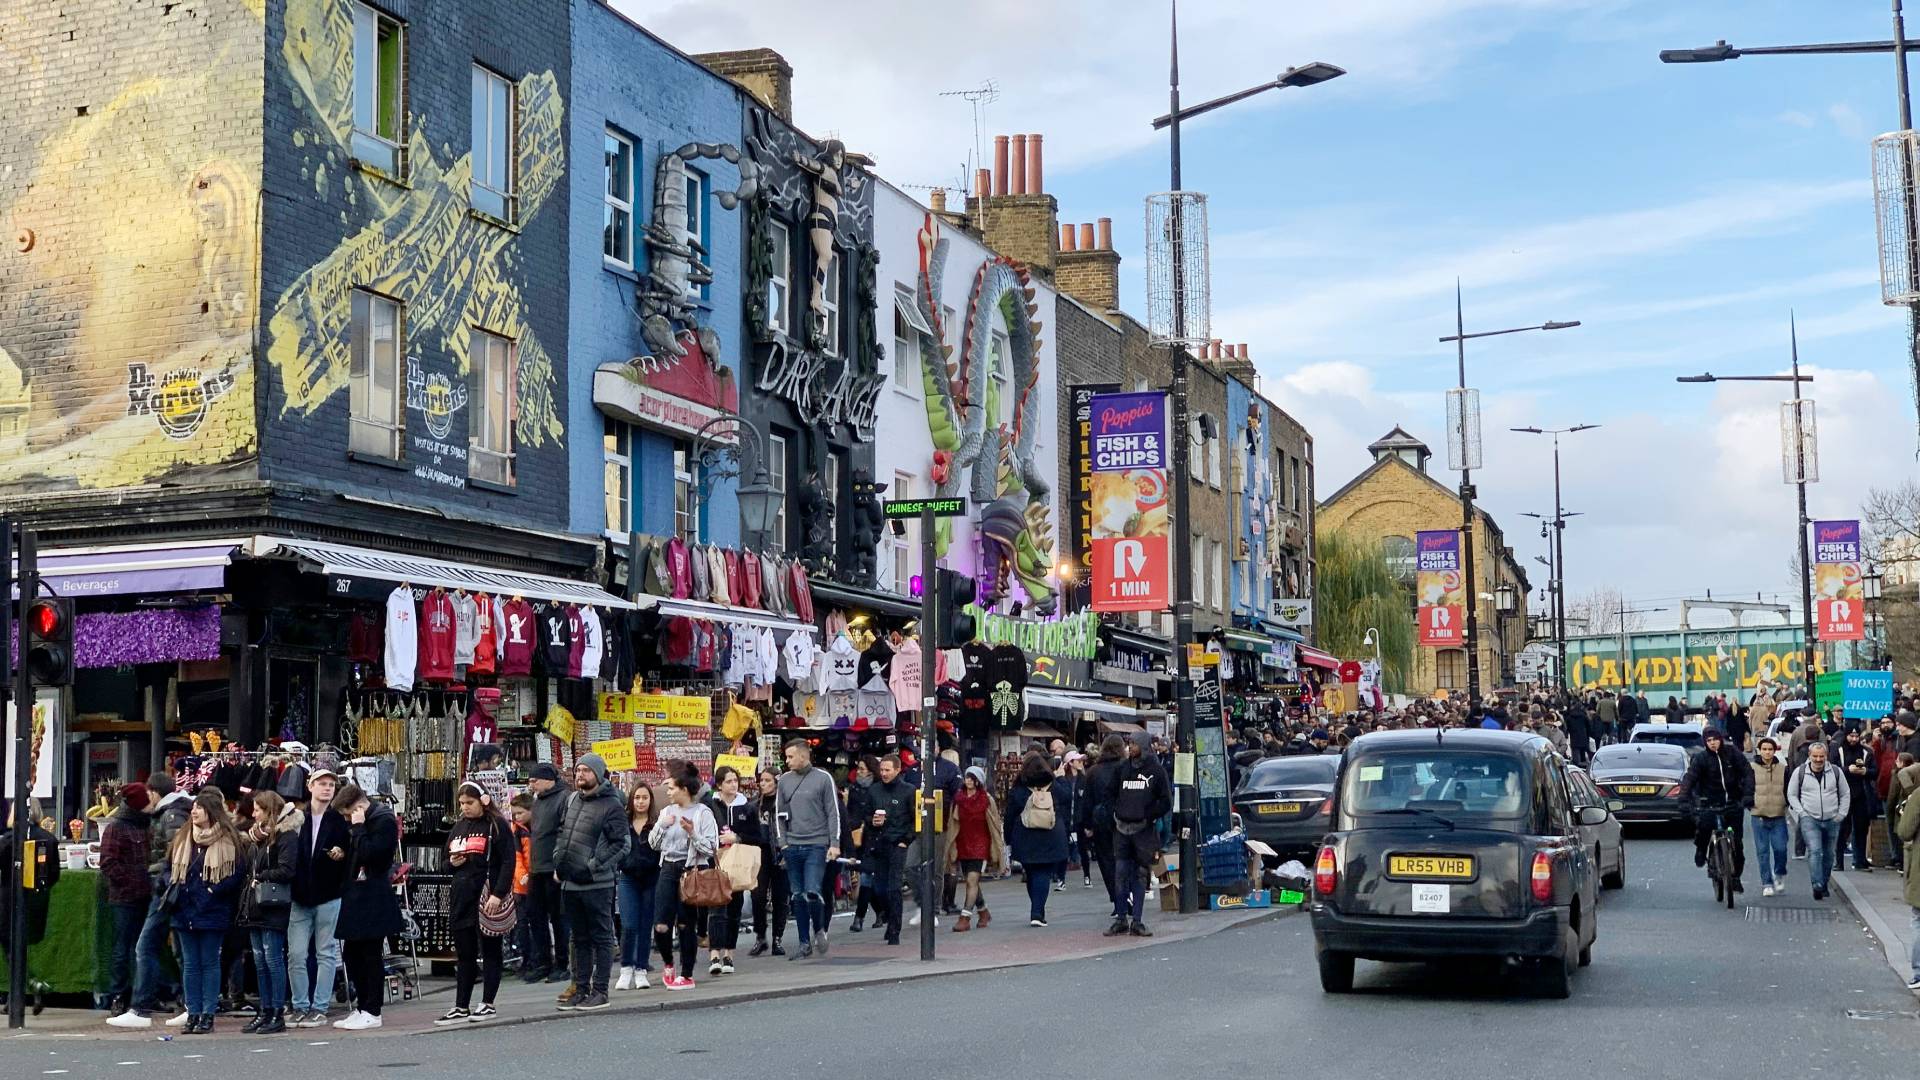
1796, 118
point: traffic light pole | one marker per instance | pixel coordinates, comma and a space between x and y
930, 587
19, 788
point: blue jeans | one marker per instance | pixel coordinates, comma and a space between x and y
200, 968
148, 977
310, 933
636, 921
1913, 950
127, 920
806, 869
1039, 879
1823, 841
1770, 848
270, 965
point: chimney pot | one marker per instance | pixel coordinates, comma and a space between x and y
1066, 238
1034, 183
1241, 351
982, 182
999, 164
1106, 234
939, 200
1017, 185
1213, 349
1086, 237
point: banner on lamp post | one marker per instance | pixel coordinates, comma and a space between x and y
1131, 527
1839, 595
1441, 588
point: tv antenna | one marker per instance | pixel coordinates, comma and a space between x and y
985, 94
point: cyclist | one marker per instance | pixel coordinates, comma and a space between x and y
1720, 784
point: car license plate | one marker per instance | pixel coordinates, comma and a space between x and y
1637, 789
1280, 808
1448, 867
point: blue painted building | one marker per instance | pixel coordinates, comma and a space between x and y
1271, 460
655, 259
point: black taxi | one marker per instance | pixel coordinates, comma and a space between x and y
1450, 844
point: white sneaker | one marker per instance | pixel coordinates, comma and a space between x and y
358, 1021
640, 979
915, 921
129, 1019
1766, 891
625, 981
179, 1021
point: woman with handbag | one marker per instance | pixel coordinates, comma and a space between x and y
686, 836
639, 873
738, 819
772, 888
369, 910
203, 880
267, 901
481, 849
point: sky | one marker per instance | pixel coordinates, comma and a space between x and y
1537, 152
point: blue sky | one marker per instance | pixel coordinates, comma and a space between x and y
1537, 149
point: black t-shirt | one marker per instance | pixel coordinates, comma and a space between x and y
1006, 686
555, 640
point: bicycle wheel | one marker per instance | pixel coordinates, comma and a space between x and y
1722, 856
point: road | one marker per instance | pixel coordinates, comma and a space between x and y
1678, 987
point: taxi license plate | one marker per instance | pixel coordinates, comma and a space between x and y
1438, 867
1637, 789
1280, 808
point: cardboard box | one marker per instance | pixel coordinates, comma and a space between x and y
1255, 898
1170, 892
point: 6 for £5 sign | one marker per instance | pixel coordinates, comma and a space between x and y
1127, 447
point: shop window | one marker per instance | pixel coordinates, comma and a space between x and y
1450, 669
777, 476
616, 218
493, 145
779, 278
373, 376
378, 73
490, 438
617, 453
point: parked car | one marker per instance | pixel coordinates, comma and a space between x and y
1644, 777
1607, 840
1282, 802
1454, 844
1689, 737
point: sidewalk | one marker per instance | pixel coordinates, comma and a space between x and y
1075, 920
1880, 901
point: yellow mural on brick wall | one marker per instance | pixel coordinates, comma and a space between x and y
421, 244
128, 282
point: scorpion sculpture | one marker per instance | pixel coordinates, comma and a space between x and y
676, 260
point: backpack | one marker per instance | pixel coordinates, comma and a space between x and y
1038, 813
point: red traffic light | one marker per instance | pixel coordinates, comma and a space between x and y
46, 619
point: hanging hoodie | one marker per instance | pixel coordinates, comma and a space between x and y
797, 657
874, 705
592, 643
702, 576
364, 638
679, 572
515, 626
436, 636
655, 577
773, 587
403, 639
874, 661
842, 665
749, 594
721, 590
743, 659
556, 647
800, 590
485, 641
466, 628
904, 677
1006, 686
736, 581
576, 642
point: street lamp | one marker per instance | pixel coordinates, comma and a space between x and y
1560, 516
759, 499
1800, 462
1871, 582
1465, 456
1176, 336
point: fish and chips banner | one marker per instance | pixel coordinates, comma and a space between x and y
1839, 596
1442, 590
1127, 445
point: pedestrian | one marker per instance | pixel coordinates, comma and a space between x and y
123, 863
273, 845
168, 809
1070, 785
1855, 761
591, 842
1770, 816
520, 819
319, 880
1818, 794
203, 885
369, 910
1905, 780
1907, 731
1607, 708
737, 818
976, 842
771, 892
807, 821
1577, 733
1906, 831
236, 951
1738, 725
1760, 712
866, 769
1036, 833
1806, 733
481, 850
639, 871
687, 838
1142, 795
1095, 821
547, 952
885, 835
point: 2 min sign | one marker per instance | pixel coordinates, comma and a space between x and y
913, 508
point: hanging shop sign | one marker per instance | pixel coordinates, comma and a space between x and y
913, 508
1440, 587
1131, 533
1080, 462
1293, 613
1064, 672
670, 710
1839, 595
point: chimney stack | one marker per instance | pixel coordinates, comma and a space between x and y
1017, 184
1236, 361
938, 200
1034, 184
1089, 270
982, 182
999, 164
761, 72
1016, 217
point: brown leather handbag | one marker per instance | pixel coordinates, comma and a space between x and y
705, 887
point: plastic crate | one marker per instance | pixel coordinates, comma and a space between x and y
1223, 861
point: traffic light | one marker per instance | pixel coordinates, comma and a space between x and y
50, 642
955, 593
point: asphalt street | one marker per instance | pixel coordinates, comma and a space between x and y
1679, 987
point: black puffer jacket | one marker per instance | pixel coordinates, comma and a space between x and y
592, 839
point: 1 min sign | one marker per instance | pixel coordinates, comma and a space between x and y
913, 508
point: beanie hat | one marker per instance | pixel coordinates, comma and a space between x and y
598, 764
135, 795
544, 771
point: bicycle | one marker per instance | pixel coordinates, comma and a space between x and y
1720, 854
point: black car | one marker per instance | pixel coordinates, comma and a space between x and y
1644, 778
1282, 802
1455, 844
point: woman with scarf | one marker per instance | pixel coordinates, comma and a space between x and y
273, 840
203, 877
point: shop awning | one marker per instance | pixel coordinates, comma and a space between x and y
129, 569
1120, 727
1034, 729
832, 594
1313, 656
347, 564
1247, 641
701, 609
1068, 701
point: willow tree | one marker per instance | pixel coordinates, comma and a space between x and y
1355, 589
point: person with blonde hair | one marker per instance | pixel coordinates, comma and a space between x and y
274, 848
204, 876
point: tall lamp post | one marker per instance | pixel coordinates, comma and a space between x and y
1800, 463
1168, 300
1556, 581
1463, 452
1559, 543
1871, 582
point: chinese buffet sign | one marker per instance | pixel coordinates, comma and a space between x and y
1839, 598
1127, 442
1440, 588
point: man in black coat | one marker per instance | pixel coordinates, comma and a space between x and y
1142, 796
546, 921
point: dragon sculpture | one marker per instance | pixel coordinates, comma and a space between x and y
993, 462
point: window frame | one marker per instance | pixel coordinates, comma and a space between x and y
905, 540
480, 412
370, 147
906, 346
780, 277
360, 353
697, 194
612, 205
508, 207
777, 460
686, 475
616, 455
830, 299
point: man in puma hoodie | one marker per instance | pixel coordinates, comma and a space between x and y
1142, 795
